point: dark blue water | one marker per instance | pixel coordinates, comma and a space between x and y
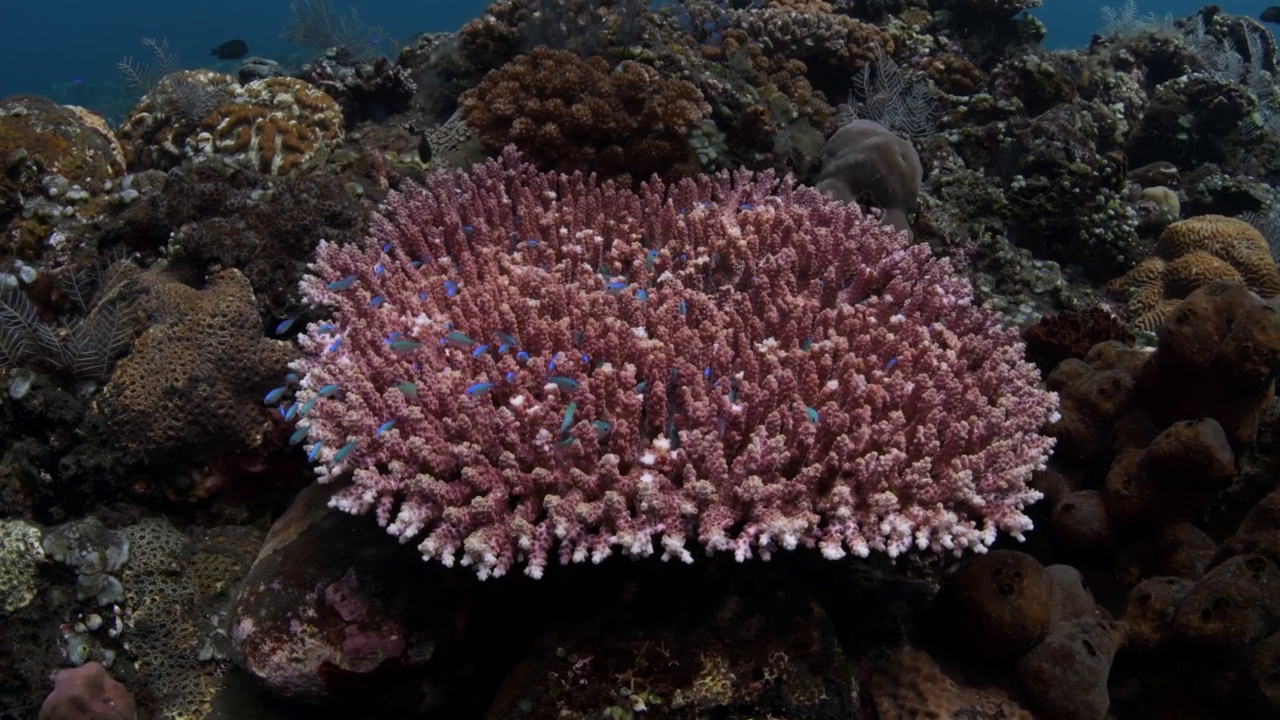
1071, 22
44, 44
47, 45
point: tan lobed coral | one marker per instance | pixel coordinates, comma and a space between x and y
1190, 254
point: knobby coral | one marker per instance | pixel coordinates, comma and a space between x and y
522, 362
566, 114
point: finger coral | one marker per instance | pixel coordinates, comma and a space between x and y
520, 366
567, 114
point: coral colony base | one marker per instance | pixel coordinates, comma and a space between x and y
520, 363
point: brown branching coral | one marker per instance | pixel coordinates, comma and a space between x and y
786, 76
567, 114
831, 45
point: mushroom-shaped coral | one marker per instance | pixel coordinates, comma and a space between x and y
865, 158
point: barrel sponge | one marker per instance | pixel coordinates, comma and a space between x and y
866, 160
911, 684
1218, 355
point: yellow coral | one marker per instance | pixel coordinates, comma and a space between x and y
1190, 254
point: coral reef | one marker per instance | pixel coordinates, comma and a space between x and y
519, 370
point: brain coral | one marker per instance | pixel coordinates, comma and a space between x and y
1190, 254
273, 125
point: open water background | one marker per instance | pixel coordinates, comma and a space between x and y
64, 48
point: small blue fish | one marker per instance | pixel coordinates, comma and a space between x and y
327, 390
299, 434
457, 339
404, 346
569, 410
386, 247
811, 414
614, 287
450, 288
479, 350
892, 361
808, 343
602, 428
342, 284
467, 230
308, 405
563, 382
291, 378
684, 307
649, 257
334, 345
315, 450
376, 300
291, 411
522, 356
422, 295
273, 396
344, 451
479, 388
510, 376
409, 389
378, 269
746, 206
506, 342
324, 328
642, 295
284, 325
385, 427
416, 264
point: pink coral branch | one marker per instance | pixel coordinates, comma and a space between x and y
520, 364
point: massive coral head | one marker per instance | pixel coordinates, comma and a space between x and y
521, 365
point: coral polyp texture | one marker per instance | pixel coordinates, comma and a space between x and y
522, 365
